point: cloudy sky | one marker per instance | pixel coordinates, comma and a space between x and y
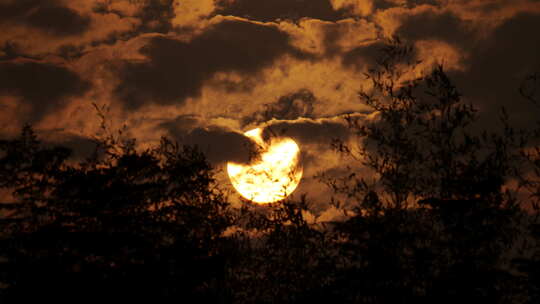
205, 71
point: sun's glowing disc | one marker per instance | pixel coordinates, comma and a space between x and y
271, 177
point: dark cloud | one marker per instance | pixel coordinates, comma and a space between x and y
385, 4
156, 16
362, 57
334, 34
432, 26
366, 57
232, 86
104, 8
496, 64
11, 50
530, 88
70, 52
312, 137
280, 9
81, 147
181, 124
48, 16
499, 66
176, 69
42, 85
219, 145
307, 131
289, 107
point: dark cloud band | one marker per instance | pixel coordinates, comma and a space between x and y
44, 86
49, 16
176, 69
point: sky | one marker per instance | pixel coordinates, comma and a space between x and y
205, 71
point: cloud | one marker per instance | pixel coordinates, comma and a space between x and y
434, 25
192, 13
484, 47
48, 16
41, 29
177, 69
42, 86
156, 16
81, 146
288, 107
357, 7
344, 35
281, 9
219, 144
205, 71
384, 4
308, 131
363, 57
498, 66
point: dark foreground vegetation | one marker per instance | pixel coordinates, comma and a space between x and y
440, 219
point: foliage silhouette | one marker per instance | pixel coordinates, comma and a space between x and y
283, 257
530, 265
121, 225
433, 220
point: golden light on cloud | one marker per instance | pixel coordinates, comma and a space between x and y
273, 175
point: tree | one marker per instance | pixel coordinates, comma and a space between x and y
433, 218
280, 257
121, 225
529, 265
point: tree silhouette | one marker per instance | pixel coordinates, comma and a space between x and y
433, 219
530, 265
122, 225
284, 259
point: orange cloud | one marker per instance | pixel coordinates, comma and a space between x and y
358, 7
207, 69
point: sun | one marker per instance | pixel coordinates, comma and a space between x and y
273, 175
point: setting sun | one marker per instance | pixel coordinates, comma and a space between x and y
272, 176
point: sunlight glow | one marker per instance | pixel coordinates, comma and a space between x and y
273, 176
